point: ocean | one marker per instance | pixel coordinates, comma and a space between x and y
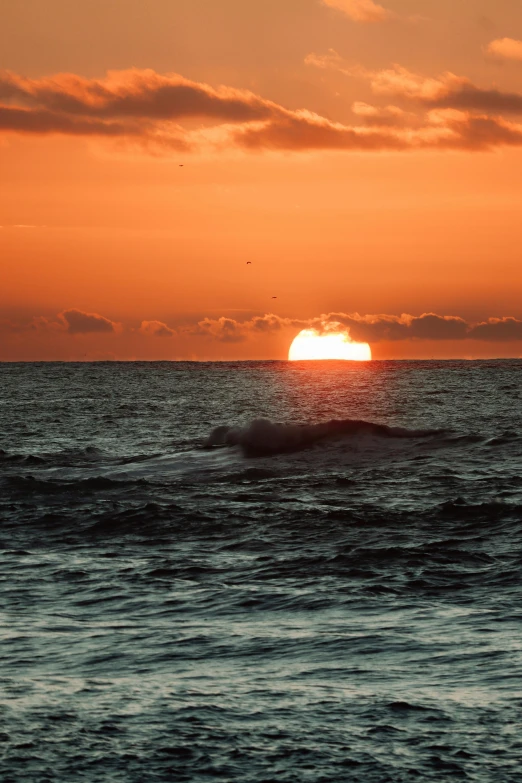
261, 571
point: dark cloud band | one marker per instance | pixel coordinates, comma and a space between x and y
167, 112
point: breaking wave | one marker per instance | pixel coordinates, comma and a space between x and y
263, 437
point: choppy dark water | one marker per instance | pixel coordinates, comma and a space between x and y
344, 607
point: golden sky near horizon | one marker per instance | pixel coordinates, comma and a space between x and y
364, 156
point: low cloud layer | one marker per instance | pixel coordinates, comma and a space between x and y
70, 321
87, 323
367, 328
228, 330
156, 329
429, 326
163, 113
361, 328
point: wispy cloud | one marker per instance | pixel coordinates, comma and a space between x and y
382, 116
505, 49
331, 59
366, 11
445, 91
23, 226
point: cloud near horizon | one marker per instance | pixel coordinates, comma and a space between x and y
361, 328
228, 330
156, 329
367, 328
79, 322
71, 321
157, 112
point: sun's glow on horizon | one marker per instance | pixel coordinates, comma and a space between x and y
311, 345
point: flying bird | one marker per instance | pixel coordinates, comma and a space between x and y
274, 297
249, 262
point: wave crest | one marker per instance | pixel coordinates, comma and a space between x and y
263, 437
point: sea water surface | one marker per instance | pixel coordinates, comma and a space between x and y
190, 592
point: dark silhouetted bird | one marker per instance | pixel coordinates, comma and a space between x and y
274, 297
249, 262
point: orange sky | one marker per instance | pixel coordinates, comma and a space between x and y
365, 157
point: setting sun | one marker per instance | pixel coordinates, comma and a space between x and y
312, 345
